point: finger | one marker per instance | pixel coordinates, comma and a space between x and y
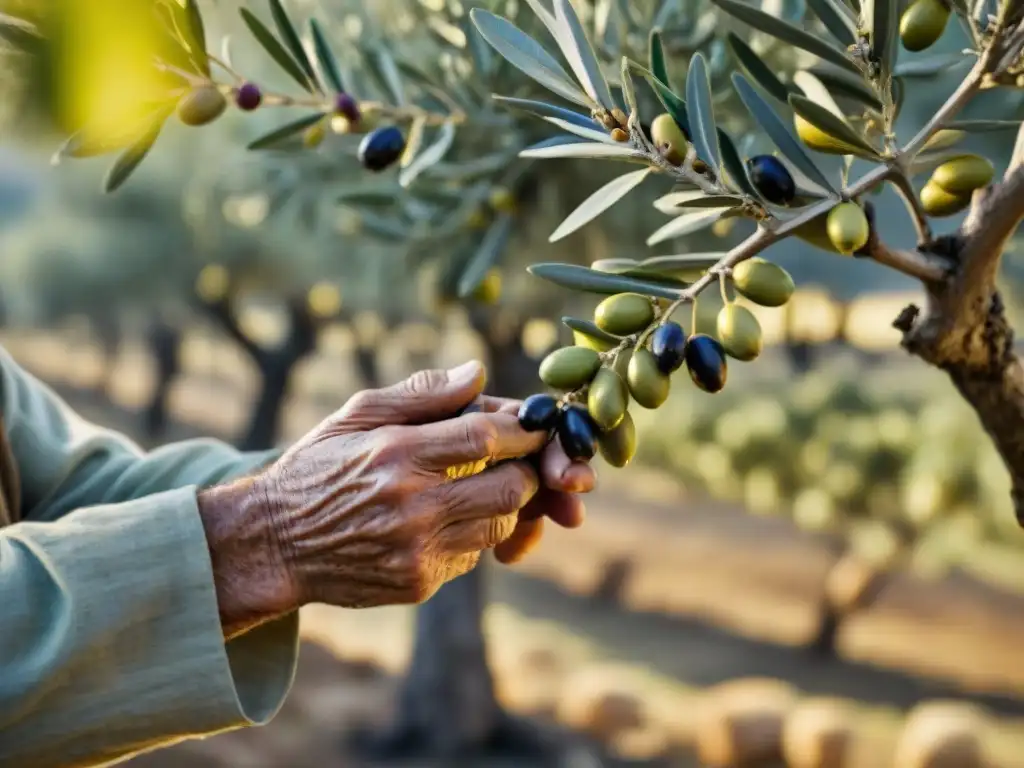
500, 490
426, 396
472, 437
492, 404
524, 539
565, 509
560, 472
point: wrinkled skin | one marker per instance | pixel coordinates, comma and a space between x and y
361, 512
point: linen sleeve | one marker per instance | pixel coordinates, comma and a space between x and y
110, 638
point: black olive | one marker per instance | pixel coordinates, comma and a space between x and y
705, 359
381, 148
772, 179
538, 413
668, 345
577, 433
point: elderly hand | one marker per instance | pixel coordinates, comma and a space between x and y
361, 512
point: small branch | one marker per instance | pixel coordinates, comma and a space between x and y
956, 102
905, 190
223, 314
926, 267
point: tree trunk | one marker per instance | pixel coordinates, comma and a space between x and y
264, 422
165, 344
447, 709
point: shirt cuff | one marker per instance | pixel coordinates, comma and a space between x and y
115, 644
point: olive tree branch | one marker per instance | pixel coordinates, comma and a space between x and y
901, 181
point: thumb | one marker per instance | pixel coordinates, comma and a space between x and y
426, 396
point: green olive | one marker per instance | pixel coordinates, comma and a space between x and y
962, 175
739, 332
763, 282
569, 368
607, 399
938, 202
618, 446
923, 23
668, 138
848, 228
624, 314
647, 384
201, 105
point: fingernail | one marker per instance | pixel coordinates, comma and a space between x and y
465, 373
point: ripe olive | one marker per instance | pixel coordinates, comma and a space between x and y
818, 140
962, 175
607, 399
577, 433
938, 202
705, 359
618, 446
739, 332
772, 179
569, 368
248, 97
381, 148
668, 345
848, 227
539, 413
347, 107
668, 138
624, 313
201, 105
923, 23
763, 282
648, 385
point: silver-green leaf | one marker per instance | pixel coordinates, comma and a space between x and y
583, 149
599, 202
686, 224
702, 116
579, 278
579, 53
429, 156
588, 133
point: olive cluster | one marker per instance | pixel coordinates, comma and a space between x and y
380, 148
630, 352
951, 185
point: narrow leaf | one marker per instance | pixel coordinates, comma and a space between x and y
599, 202
590, 329
286, 30
884, 16
591, 134
928, 66
787, 32
273, 47
673, 202
197, 33
429, 156
686, 224
778, 131
481, 53
579, 278
656, 56
984, 126
326, 58
683, 265
130, 159
285, 132
702, 125
413, 141
486, 256
387, 70
585, 149
842, 83
757, 70
836, 19
816, 91
830, 124
526, 55
734, 166
546, 16
614, 266
543, 109
579, 53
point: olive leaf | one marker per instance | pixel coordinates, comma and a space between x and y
525, 54
831, 124
273, 47
286, 30
698, 95
590, 134
579, 278
578, 51
844, 84
683, 264
656, 56
326, 58
787, 32
686, 224
384, 69
756, 69
983, 126
778, 131
674, 105
486, 256
590, 330
735, 168
546, 16
837, 19
672, 202
928, 66
197, 37
543, 109
413, 141
130, 159
483, 57
599, 202
581, 149
816, 91
287, 131
431, 155
883, 20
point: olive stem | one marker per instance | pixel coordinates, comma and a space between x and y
905, 190
723, 288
